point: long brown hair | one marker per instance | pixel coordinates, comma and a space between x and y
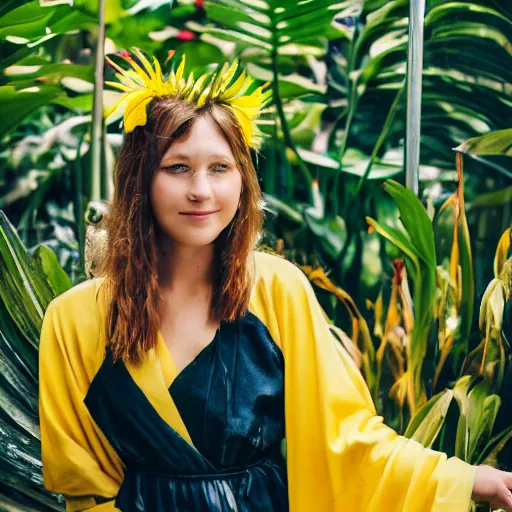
130, 267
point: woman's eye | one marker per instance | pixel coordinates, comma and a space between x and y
176, 168
220, 167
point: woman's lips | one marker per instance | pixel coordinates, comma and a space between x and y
197, 215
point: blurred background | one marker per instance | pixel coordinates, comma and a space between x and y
414, 281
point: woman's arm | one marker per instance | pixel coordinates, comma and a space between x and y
340, 455
78, 461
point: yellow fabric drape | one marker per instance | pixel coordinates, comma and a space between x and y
78, 461
340, 457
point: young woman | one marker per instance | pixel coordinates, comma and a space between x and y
198, 374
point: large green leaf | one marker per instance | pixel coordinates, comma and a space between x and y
415, 220
24, 296
489, 455
478, 411
330, 233
17, 353
31, 22
45, 260
130, 31
494, 143
464, 42
24, 291
461, 391
16, 105
272, 24
354, 163
21, 468
113, 8
426, 424
24, 70
418, 243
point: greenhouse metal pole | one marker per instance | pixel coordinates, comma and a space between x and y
414, 79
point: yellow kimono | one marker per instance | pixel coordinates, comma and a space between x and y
145, 438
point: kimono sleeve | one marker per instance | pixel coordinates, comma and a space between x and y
78, 461
340, 455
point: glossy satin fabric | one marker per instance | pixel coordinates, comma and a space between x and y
114, 432
231, 400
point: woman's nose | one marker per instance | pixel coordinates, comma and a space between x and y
200, 187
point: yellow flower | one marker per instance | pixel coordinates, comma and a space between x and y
226, 86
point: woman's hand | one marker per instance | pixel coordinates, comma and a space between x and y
493, 486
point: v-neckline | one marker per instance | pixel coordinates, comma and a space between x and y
169, 368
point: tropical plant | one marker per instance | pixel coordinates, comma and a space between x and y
419, 333
28, 284
437, 370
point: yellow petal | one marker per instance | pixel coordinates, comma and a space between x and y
172, 80
190, 84
230, 73
233, 90
243, 87
146, 79
111, 110
122, 72
179, 72
197, 87
159, 79
205, 94
135, 113
134, 77
121, 87
168, 90
147, 65
245, 124
203, 97
252, 102
217, 82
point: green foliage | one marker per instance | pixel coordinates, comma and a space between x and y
27, 286
334, 132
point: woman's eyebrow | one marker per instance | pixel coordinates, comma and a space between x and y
176, 156
220, 156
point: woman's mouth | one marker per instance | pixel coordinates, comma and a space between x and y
198, 214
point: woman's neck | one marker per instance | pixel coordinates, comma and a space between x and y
186, 269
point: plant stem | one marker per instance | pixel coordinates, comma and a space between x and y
97, 126
343, 147
382, 138
284, 125
78, 208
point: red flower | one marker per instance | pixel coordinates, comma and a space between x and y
124, 53
186, 35
199, 4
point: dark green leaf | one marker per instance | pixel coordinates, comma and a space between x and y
46, 262
494, 143
16, 105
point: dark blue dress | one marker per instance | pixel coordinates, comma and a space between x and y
231, 400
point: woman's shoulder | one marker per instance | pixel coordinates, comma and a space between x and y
277, 273
79, 292
77, 318
272, 264
79, 300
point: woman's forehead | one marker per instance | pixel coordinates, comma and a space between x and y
203, 138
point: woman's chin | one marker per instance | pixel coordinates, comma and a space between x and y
196, 240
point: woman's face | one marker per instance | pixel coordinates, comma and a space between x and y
196, 175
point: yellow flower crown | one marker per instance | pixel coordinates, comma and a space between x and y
226, 86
